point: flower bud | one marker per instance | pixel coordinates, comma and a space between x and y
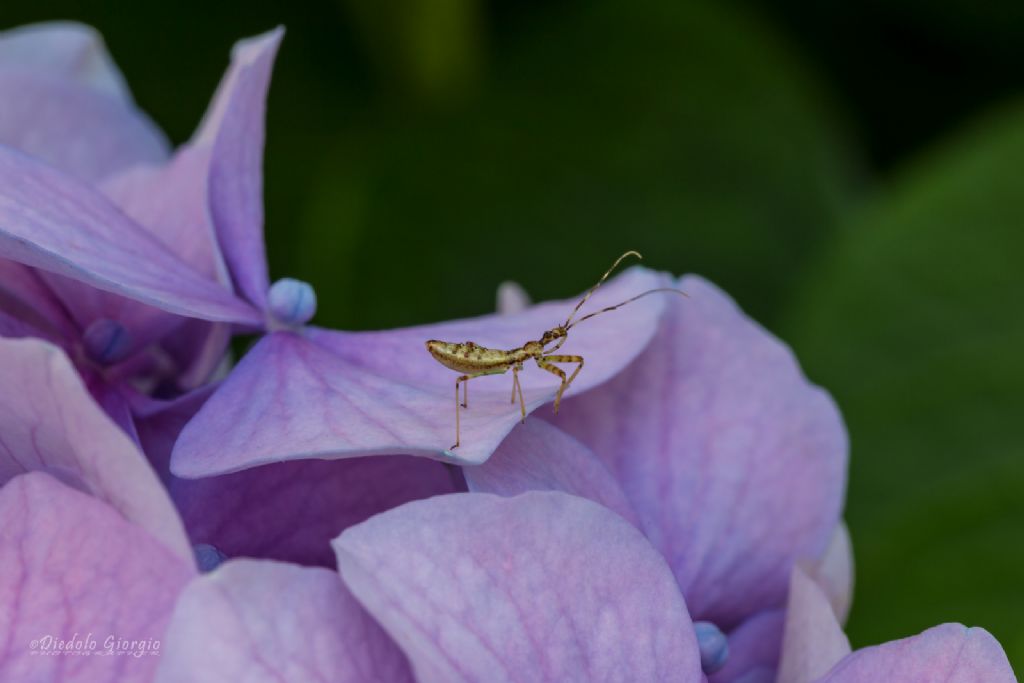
713, 645
291, 302
208, 557
106, 341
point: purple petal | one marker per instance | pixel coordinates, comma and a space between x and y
734, 462
49, 422
25, 297
539, 457
159, 422
199, 349
291, 511
284, 511
950, 652
814, 641
258, 621
66, 103
169, 202
51, 221
75, 569
540, 587
758, 675
64, 49
16, 328
236, 173
114, 398
754, 649
512, 298
334, 394
85, 133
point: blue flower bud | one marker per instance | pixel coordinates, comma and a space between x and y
106, 341
713, 645
208, 557
291, 302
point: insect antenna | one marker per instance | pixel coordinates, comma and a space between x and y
599, 283
627, 301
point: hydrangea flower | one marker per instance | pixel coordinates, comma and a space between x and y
55, 222
103, 200
540, 586
679, 520
95, 554
546, 586
343, 394
90, 192
815, 648
68, 105
714, 445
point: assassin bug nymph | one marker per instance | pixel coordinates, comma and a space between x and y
477, 361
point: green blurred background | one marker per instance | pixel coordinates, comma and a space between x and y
850, 171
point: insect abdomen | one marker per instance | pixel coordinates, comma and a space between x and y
468, 357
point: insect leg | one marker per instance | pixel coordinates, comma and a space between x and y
517, 387
567, 359
460, 380
545, 362
554, 371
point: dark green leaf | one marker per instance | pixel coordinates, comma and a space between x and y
915, 323
683, 130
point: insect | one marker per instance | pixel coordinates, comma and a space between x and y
477, 361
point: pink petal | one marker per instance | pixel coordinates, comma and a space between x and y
833, 572
950, 653
540, 587
75, 569
258, 621
336, 394
813, 641
64, 49
49, 422
236, 173
733, 460
51, 221
539, 457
